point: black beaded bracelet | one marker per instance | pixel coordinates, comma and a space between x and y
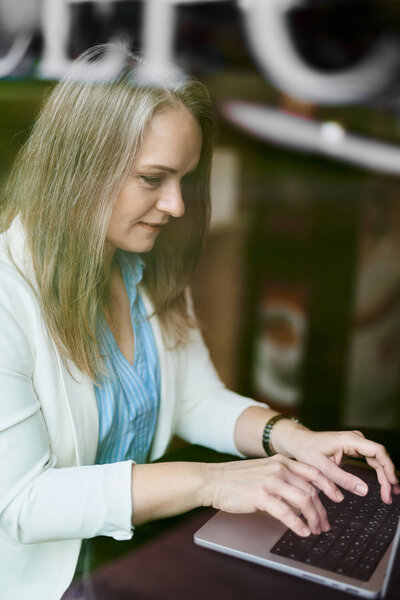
266, 436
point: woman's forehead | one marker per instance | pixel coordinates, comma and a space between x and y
173, 138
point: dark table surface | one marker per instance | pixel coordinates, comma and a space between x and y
172, 567
163, 563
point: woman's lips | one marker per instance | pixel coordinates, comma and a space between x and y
153, 227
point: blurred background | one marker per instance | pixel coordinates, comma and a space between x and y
299, 287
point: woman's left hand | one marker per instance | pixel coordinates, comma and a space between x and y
325, 450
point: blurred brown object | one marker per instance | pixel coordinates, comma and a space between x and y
218, 297
297, 106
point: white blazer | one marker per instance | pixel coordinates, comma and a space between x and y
51, 494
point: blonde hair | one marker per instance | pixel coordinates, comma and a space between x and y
64, 185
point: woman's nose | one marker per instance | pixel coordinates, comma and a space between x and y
171, 201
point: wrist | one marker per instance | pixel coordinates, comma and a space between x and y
284, 436
207, 489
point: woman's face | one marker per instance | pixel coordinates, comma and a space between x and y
152, 193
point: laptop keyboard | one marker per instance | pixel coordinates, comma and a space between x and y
361, 530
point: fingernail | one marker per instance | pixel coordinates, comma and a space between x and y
361, 490
339, 495
306, 531
326, 526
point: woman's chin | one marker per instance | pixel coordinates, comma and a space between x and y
138, 245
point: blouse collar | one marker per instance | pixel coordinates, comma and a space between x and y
132, 266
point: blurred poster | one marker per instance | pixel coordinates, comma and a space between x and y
373, 381
280, 344
282, 230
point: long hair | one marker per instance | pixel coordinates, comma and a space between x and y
65, 183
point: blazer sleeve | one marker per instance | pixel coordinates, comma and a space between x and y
39, 502
208, 411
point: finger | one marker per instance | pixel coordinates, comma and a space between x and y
346, 480
303, 501
321, 480
355, 452
284, 513
359, 433
354, 444
386, 486
338, 457
310, 490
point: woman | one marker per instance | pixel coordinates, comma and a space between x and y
101, 361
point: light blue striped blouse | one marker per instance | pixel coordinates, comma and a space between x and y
128, 398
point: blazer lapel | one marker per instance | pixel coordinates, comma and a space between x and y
81, 402
77, 388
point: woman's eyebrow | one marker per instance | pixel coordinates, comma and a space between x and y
160, 167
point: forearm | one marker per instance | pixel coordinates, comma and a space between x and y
166, 489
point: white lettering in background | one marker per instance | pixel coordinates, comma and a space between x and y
55, 30
18, 22
158, 24
52, 18
158, 41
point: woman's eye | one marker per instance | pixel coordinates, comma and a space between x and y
152, 181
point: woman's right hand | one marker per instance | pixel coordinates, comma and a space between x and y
283, 487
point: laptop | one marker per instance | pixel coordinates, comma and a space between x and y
357, 555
